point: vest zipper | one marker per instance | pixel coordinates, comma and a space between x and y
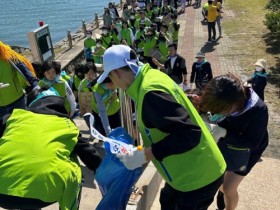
161, 163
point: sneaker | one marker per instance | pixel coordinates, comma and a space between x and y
220, 201
213, 40
208, 42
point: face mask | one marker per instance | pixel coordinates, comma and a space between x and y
258, 68
132, 17
104, 32
98, 45
217, 117
88, 36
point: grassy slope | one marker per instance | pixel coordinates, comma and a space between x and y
252, 42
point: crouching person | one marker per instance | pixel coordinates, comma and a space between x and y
38, 149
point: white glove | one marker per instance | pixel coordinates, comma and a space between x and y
3, 85
133, 159
191, 85
216, 131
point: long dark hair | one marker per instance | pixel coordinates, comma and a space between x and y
222, 93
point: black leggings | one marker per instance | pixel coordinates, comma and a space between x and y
14, 202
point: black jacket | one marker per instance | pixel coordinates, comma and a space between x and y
248, 130
178, 69
54, 105
201, 73
258, 85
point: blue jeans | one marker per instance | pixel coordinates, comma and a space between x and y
219, 24
18, 104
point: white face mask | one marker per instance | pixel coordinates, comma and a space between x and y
104, 32
98, 45
88, 36
258, 68
132, 17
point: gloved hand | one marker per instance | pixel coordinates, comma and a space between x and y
133, 159
191, 85
216, 131
3, 85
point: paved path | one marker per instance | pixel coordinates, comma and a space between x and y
260, 189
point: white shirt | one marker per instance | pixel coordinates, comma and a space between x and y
172, 61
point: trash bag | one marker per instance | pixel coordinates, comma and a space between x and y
115, 181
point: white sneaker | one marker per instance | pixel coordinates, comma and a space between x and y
208, 42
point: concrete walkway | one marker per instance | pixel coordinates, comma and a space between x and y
259, 190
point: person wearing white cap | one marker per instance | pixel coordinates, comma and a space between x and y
259, 80
201, 72
175, 138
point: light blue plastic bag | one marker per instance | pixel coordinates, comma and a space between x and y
115, 181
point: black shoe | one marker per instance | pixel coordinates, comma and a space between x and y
220, 201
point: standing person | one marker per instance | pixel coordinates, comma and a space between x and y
85, 91
14, 71
89, 43
258, 79
113, 10
77, 78
243, 118
201, 72
50, 77
126, 33
175, 137
107, 17
211, 15
219, 17
98, 52
43, 168
174, 66
105, 106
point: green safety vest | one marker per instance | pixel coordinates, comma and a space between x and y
147, 23
125, 34
192, 169
106, 41
110, 100
98, 58
148, 45
89, 43
59, 86
76, 81
37, 163
14, 91
163, 48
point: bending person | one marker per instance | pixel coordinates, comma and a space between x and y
43, 168
243, 118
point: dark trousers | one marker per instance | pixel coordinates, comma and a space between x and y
14, 202
200, 199
211, 27
114, 121
18, 104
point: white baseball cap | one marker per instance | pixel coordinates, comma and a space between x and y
116, 57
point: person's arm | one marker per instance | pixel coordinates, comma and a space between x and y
87, 154
71, 98
172, 118
102, 113
161, 66
255, 121
22, 68
209, 71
